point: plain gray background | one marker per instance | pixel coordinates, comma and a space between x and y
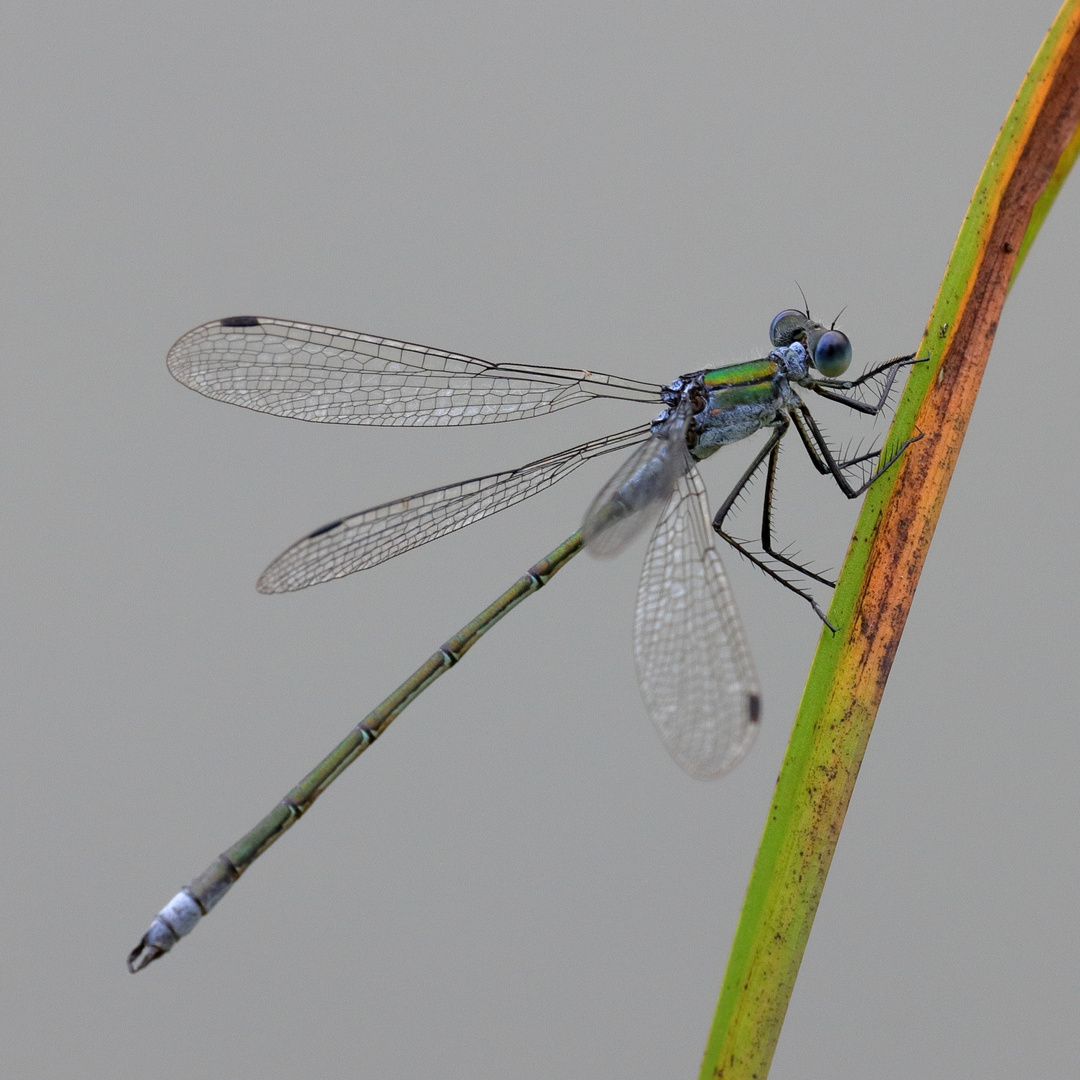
517, 882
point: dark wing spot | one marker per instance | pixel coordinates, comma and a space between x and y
240, 320
324, 529
754, 702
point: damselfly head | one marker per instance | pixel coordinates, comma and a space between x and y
829, 349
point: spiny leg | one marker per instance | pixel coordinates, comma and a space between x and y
827, 387
814, 454
766, 524
811, 449
801, 415
770, 451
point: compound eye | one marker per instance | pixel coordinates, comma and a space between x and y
787, 327
832, 354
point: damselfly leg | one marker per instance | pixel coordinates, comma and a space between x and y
824, 461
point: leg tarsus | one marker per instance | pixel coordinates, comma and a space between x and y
764, 567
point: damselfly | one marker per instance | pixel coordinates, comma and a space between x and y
692, 659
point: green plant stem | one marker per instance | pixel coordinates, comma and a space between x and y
1034, 151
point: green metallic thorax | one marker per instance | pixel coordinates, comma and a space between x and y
741, 399
741, 384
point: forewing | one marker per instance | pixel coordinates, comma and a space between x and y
341, 377
693, 662
373, 536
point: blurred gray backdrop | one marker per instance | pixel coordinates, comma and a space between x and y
517, 882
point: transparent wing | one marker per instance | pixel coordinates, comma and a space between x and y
633, 497
693, 662
341, 377
373, 536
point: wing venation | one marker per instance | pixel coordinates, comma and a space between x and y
690, 649
372, 536
332, 376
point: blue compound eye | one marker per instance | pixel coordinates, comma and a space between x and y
832, 354
787, 327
